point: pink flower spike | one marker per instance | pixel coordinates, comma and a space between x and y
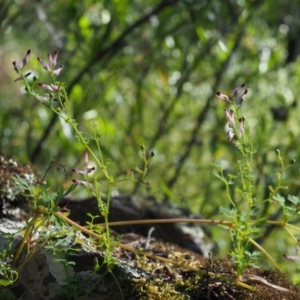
58, 70
81, 182
222, 96
237, 90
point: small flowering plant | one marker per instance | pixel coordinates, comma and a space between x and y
55, 91
53, 95
53, 88
243, 229
244, 212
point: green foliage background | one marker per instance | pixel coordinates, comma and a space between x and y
146, 72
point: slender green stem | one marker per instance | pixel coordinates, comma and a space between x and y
27, 233
290, 233
264, 252
106, 217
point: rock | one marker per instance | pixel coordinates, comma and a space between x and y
10, 196
129, 208
69, 272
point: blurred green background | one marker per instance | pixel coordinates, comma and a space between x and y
146, 72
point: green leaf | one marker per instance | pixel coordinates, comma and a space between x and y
260, 221
239, 190
279, 199
231, 182
253, 255
294, 199
289, 211
226, 211
231, 176
231, 179
69, 190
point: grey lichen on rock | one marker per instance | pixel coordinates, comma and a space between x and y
48, 276
11, 199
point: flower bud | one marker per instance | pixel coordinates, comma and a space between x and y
242, 126
229, 116
222, 96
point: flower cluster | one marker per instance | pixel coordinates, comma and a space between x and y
85, 171
52, 63
49, 67
239, 94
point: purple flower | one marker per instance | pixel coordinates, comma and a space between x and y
58, 70
85, 171
51, 87
43, 99
229, 116
237, 90
81, 182
241, 98
295, 257
22, 63
222, 96
52, 63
